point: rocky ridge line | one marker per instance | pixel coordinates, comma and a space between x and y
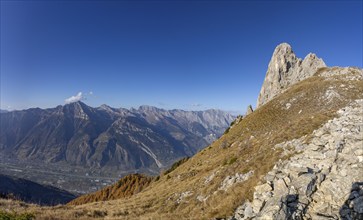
322, 181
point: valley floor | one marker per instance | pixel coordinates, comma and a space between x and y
77, 180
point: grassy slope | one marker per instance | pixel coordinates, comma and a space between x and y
125, 187
249, 147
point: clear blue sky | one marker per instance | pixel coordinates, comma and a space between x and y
169, 54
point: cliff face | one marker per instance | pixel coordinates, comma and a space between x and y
322, 178
284, 70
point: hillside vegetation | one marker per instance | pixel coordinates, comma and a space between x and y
125, 187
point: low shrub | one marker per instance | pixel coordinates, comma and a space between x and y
16, 216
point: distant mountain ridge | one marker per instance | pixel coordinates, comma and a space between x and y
29, 191
110, 139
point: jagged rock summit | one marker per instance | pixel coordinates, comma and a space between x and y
284, 70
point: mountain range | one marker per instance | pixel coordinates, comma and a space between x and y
107, 139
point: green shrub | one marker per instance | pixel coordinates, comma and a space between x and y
225, 162
232, 160
16, 216
98, 213
176, 165
157, 178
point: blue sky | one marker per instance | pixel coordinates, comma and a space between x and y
170, 54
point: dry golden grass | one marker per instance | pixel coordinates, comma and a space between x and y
247, 146
125, 187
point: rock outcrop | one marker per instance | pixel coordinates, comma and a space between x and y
284, 70
249, 110
322, 181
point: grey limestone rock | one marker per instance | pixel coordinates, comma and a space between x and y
309, 186
284, 70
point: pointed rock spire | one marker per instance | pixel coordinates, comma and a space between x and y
284, 70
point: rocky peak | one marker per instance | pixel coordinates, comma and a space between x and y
284, 70
311, 63
78, 104
106, 108
77, 109
249, 110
